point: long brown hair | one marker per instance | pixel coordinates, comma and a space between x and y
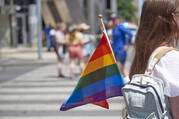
156, 28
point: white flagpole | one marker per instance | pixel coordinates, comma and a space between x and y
100, 16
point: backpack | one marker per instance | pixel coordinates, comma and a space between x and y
144, 95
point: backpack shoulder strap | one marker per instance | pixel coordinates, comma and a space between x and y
157, 58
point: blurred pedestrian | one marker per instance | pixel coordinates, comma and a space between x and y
47, 36
88, 41
159, 24
110, 27
53, 42
121, 38
60, 39
74, 42
99, 34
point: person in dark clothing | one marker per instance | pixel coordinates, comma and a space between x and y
47, 35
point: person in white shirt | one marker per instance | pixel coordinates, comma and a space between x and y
60, 39
159, 26
53, 39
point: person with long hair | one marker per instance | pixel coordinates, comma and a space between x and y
74, 42
159, 26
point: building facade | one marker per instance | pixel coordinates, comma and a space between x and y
19, 18
75, 11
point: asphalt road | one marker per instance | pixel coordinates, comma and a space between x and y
40, 93
34, 91
10, 72
12, 68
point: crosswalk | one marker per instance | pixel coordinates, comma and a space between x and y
39, 94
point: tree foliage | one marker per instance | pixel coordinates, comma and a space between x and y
127, 10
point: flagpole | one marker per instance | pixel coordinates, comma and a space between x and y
100, 16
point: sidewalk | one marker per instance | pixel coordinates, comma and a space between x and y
21, 56
29, 56
17, 61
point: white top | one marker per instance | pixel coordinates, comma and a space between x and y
52, 32
59, 35
167, 69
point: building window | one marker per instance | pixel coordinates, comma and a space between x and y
108, 4
6, 2
85, 3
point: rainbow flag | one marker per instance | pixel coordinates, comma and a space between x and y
99, 81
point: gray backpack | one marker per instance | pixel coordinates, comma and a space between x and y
144, 95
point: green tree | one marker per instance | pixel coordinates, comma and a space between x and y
127, 10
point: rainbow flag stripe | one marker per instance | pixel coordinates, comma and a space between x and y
100, 79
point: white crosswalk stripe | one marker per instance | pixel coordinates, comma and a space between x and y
39, 95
